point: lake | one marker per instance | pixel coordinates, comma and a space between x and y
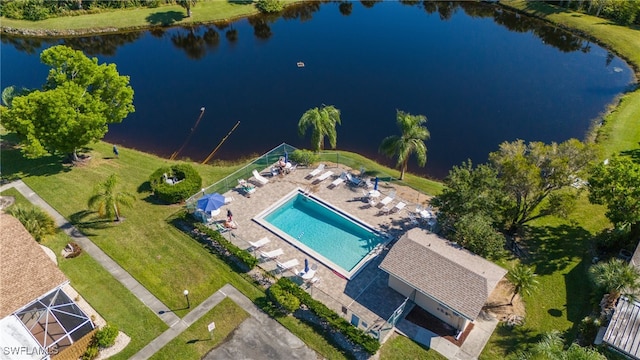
481, 75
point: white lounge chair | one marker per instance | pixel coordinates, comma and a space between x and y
324, 176
338, 181
386, 200
260, 243
399, 206
287, 264
261, 179
354, 181
316, 171
270, 255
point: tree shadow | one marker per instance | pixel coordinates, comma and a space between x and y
15, 165
579, 290
240, 2
86, 220
512, 339
633, 154
555, 248
166, 18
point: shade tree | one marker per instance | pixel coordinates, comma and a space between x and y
78, 101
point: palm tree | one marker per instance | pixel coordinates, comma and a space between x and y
187, 4
37, 222
414, 133
523, 279
323, 121
108, 200
616, 277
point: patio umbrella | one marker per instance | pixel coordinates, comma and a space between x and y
375, 184
306, 265
210, 202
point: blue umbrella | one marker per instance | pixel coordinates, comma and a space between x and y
375, 184
210, 202
286, 157
306, 265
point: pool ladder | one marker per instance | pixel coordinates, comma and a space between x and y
300, 236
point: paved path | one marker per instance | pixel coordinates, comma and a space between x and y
270, 335
87, 245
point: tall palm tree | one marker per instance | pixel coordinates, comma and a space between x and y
616, 277
523, 279
107, 200
323, 123
414, 134
187, 4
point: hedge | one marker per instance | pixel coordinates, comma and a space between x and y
188, 183
368, 343
288, 301
244, 256
304, 157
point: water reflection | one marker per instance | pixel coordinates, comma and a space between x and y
196, 41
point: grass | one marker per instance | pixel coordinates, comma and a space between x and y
165, 15
402, 348
163, 259
196, 341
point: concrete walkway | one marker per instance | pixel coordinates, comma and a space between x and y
103, 259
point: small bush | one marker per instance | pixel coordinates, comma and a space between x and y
37, 222
244, 256
106, 336
187, 182
589, 327
91, 352
287, 300
304, 157
270, 6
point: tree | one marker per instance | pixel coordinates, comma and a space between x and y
78, 101
470, 190
414, 134
475, 232
616, 277
108, 200
530, 173
187, 4
523, 279
323, 123
617, 185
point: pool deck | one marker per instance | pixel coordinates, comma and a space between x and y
366, 295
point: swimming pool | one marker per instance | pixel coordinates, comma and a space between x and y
335, 238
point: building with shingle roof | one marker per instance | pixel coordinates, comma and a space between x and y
441, 277
37, 318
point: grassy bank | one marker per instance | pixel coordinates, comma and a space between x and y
129, 19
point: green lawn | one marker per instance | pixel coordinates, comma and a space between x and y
196, 341
204, 11
401, 348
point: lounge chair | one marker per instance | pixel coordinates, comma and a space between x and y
270, 255
261, 179
260, 243
316, 171
353, 180
386, 200
324, 176
338, 181
221, 228
413, 220
246, 187
287, 264
399, 206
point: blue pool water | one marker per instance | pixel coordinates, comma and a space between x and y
332, 235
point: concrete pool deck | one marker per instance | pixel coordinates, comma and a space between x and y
366, 299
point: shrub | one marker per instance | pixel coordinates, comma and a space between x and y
37, 222
244, 256
270, 6
187, 182
287, 300
304, 157
106, 336
75, 249
91, 352
589, 327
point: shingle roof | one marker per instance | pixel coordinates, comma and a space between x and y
26, 272
443, 271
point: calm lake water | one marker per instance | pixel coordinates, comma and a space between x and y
481, 75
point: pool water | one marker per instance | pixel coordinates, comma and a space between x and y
339, 239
